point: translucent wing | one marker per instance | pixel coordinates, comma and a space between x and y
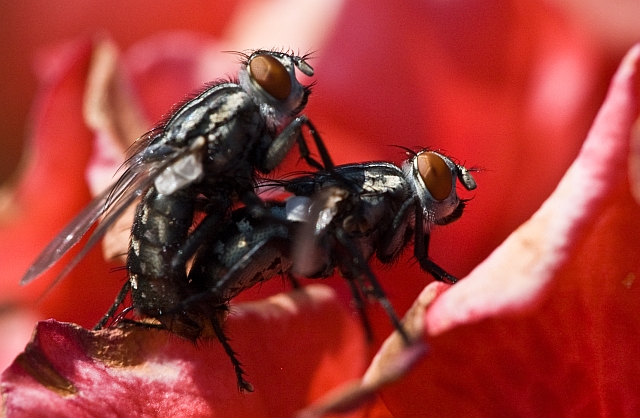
66, 239
309, 255
145, 164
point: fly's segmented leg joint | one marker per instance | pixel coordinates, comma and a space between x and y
376, 290
122, 294
359, 305
243, 385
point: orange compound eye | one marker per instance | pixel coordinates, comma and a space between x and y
436, 175
271, 75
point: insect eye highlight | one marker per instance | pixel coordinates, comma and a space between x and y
435, 174
271, 75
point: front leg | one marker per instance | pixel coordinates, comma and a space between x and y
421, 251
394, 240
282, 143
359, 267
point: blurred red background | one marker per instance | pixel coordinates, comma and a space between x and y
510, 86
28, 26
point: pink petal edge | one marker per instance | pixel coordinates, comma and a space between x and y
518, 271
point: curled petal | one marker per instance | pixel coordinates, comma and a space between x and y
116, 118
518, 271
547, 325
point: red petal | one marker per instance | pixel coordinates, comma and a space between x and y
394, 359
546, 325
294, 348
517, 271
506, 86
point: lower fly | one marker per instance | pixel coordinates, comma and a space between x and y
334, 221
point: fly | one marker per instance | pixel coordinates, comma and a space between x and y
203, 158
334, 222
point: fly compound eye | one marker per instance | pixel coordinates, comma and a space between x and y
271, 75
435, 174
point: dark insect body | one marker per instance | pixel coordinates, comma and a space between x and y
334, 222
203, 159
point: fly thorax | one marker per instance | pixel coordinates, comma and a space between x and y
377, 184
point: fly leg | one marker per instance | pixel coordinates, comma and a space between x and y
384, 252
421, 252
256, 208
243, 385
361, 267
112, 310
121, 316
329, 166
211, 223
219, 284
295, 284
359, 303
205, 230
322, 149
211, 287
281, 145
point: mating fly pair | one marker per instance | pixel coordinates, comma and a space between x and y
204, 159
335, 221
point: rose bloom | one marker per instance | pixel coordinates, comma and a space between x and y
544, 326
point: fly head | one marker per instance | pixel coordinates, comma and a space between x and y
432, 177
270, 79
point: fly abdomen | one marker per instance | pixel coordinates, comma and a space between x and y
252, 250
160, 227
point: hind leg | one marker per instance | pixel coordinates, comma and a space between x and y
112, 310
243, 385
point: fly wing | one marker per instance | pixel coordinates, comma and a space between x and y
66, 239
118, 203
310, 257
147, 159
139, 175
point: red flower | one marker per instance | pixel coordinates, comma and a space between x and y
509, 87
